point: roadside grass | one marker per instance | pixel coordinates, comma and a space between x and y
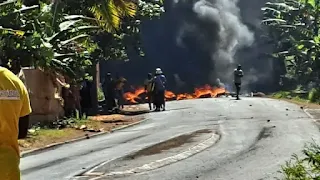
42, 135
309, 100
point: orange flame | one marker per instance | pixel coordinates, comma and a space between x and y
205, 91
184, 96
208, 90
169, 95
132, 97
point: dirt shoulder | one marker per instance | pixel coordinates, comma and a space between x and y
311, 108
39, 137
304, 104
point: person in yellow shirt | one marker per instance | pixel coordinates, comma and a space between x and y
14, 120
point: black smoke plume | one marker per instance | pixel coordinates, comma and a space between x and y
199, 41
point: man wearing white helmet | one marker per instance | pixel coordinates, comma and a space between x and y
160, 88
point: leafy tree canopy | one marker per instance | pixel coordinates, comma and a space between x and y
62, 36
293, 29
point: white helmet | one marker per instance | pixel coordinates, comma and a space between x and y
158, 71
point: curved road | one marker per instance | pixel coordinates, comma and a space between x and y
257, 136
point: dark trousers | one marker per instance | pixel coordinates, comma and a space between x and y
238, 88
159, 99
119, 98
150, 99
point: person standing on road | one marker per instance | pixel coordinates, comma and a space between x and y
238, 74
149, 86
120, 82
14, 121
160, 88
108, 87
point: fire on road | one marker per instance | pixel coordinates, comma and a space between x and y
205, 91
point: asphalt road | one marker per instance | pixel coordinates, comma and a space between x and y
250, 147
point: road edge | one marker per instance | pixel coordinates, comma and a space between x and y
54, 145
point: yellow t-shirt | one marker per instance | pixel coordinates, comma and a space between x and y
14, 103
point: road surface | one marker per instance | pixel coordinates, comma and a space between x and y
257, 136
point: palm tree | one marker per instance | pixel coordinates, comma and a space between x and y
108, 14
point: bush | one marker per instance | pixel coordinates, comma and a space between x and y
281, 94
306, 167
100, 94
314, 95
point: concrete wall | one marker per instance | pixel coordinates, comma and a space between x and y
45, 95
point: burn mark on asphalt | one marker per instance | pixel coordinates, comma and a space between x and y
169, 144
265, 133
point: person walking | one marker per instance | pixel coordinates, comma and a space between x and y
149, 86
238, 74
160, 88
14, 121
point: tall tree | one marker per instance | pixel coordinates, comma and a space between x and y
293, 28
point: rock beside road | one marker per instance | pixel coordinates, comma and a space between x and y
259, 94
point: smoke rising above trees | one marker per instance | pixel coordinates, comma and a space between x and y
201, 40
217, 26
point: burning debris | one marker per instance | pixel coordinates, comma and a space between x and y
206, 91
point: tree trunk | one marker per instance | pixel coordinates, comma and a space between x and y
94, 89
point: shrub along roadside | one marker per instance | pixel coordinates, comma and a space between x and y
306, 167
312, 96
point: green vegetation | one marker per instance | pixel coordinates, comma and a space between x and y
100, 94
61, 123
306, 167
66, 36
292, 96
293, 29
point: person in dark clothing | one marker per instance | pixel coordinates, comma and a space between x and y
119, 92
149, 86
238, 74
159, 89
68, 108
108, 87
85, 94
